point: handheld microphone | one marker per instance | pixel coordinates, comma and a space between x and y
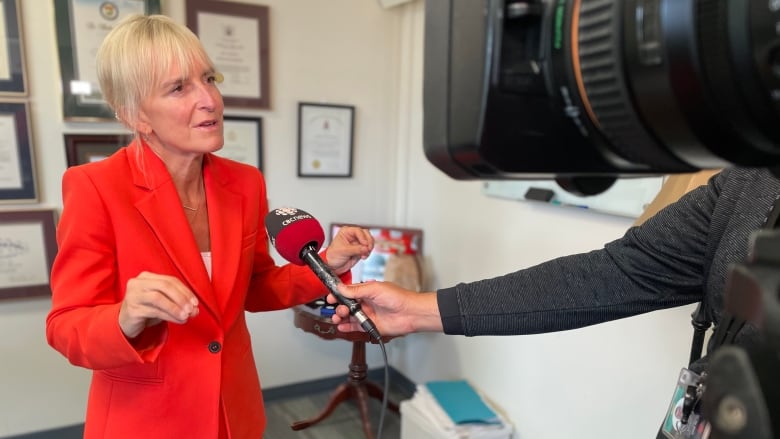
298, 236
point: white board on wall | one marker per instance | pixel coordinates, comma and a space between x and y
627, 197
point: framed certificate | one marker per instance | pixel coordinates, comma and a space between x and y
87, 148
82, 25
13, 76
17, 162
243, 140
235, 36
27, 250
325, 140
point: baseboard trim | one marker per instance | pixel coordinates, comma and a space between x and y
70, 432
398, 380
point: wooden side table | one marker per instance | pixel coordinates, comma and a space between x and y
357, 386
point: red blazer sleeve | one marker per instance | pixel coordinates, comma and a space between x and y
83, 322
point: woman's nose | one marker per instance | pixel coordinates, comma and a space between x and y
210, 97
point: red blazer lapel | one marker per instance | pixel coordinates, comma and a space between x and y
170, 224
226, 227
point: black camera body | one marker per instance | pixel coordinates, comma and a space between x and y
587, 91
575, 88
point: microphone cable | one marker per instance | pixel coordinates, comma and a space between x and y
383, 409
297, 236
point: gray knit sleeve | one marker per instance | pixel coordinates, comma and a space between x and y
658, 265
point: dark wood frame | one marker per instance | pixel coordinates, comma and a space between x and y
301, 146
16, 85
259, 144
72, 109
79, 146
28, 192
47, 220
242, 10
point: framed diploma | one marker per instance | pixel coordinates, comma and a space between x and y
81, 27
13, 76
243, 140
17, 162
87, 148
235, 36
325, 140
27, 249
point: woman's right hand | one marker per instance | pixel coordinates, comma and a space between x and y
152, 298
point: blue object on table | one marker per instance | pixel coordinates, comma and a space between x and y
461, 402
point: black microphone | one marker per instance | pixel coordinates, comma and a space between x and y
298, 236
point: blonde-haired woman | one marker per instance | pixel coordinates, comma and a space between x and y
162, 248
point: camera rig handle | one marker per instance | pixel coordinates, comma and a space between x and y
742, 396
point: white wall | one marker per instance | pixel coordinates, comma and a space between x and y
613, 380
596, 382
339, 51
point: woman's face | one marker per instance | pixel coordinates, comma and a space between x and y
183, 116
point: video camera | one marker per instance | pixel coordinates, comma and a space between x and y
588, 91
608, 88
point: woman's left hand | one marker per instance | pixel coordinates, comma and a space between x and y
350, 245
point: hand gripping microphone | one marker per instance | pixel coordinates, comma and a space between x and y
298, 236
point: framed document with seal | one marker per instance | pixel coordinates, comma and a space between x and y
81, 27
17, 161
243, 140
235, 36
27, 249
13, 76
325, 140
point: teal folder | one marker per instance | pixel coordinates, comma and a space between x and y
461, 402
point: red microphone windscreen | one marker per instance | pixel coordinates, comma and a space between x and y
291, 230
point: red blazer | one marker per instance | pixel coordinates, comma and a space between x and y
122, 216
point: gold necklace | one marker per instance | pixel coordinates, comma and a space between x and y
200, 202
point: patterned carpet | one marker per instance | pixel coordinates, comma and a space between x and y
343, 423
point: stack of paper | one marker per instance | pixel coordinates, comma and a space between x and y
450, 409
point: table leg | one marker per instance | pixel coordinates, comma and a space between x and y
341, 394
357, 387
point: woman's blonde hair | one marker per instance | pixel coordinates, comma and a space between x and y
135, 56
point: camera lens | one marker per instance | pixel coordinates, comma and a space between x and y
679, 79
595, 88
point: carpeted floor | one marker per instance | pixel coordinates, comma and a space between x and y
343, 423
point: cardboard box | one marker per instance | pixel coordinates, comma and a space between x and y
674, 187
